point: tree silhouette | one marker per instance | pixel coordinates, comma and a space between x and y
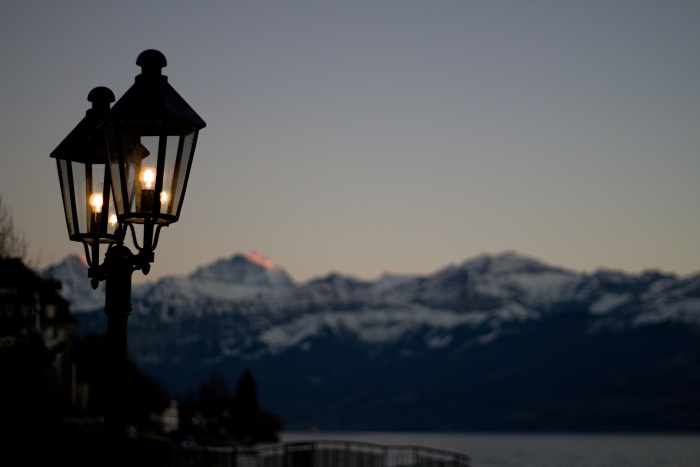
230, 416
12, 243
250, 422
246, 397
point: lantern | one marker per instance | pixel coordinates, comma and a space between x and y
151, 135
85, 180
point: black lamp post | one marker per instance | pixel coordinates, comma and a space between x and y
141, 151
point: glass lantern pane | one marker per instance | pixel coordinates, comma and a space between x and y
115, 169
128, 196
112, 222
80, 194
145, 163
65, 178
101, 220
177, 161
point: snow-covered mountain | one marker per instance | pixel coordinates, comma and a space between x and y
248, 269
485, 294
247, 311
483, 286
72, 272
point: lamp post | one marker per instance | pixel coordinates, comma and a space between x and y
140, 151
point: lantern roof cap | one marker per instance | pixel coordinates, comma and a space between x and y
85, 143
101, 97
151, 61
152, 99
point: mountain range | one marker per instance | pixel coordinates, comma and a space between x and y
496, 342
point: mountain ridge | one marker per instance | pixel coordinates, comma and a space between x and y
451, 340
76, 288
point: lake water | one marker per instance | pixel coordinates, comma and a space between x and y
541, 450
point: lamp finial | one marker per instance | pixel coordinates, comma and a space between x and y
151, 61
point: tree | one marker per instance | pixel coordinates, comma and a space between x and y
247, 395
12, 244
250, 422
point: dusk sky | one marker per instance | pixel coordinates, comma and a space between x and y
366, 136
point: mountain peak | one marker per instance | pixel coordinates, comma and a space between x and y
260, 259
74, 259
73, 265
507, 262
72, 271
250, 268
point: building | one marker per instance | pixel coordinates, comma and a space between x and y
35, 347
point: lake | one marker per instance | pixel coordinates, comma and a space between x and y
541, 449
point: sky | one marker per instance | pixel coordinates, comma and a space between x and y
371, 136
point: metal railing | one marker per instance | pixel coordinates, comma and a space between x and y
327, 453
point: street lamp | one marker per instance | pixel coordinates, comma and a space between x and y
140, 151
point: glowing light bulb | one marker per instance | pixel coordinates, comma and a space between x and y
96, 202
148, 178
164, 197
148, 181
113, 221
